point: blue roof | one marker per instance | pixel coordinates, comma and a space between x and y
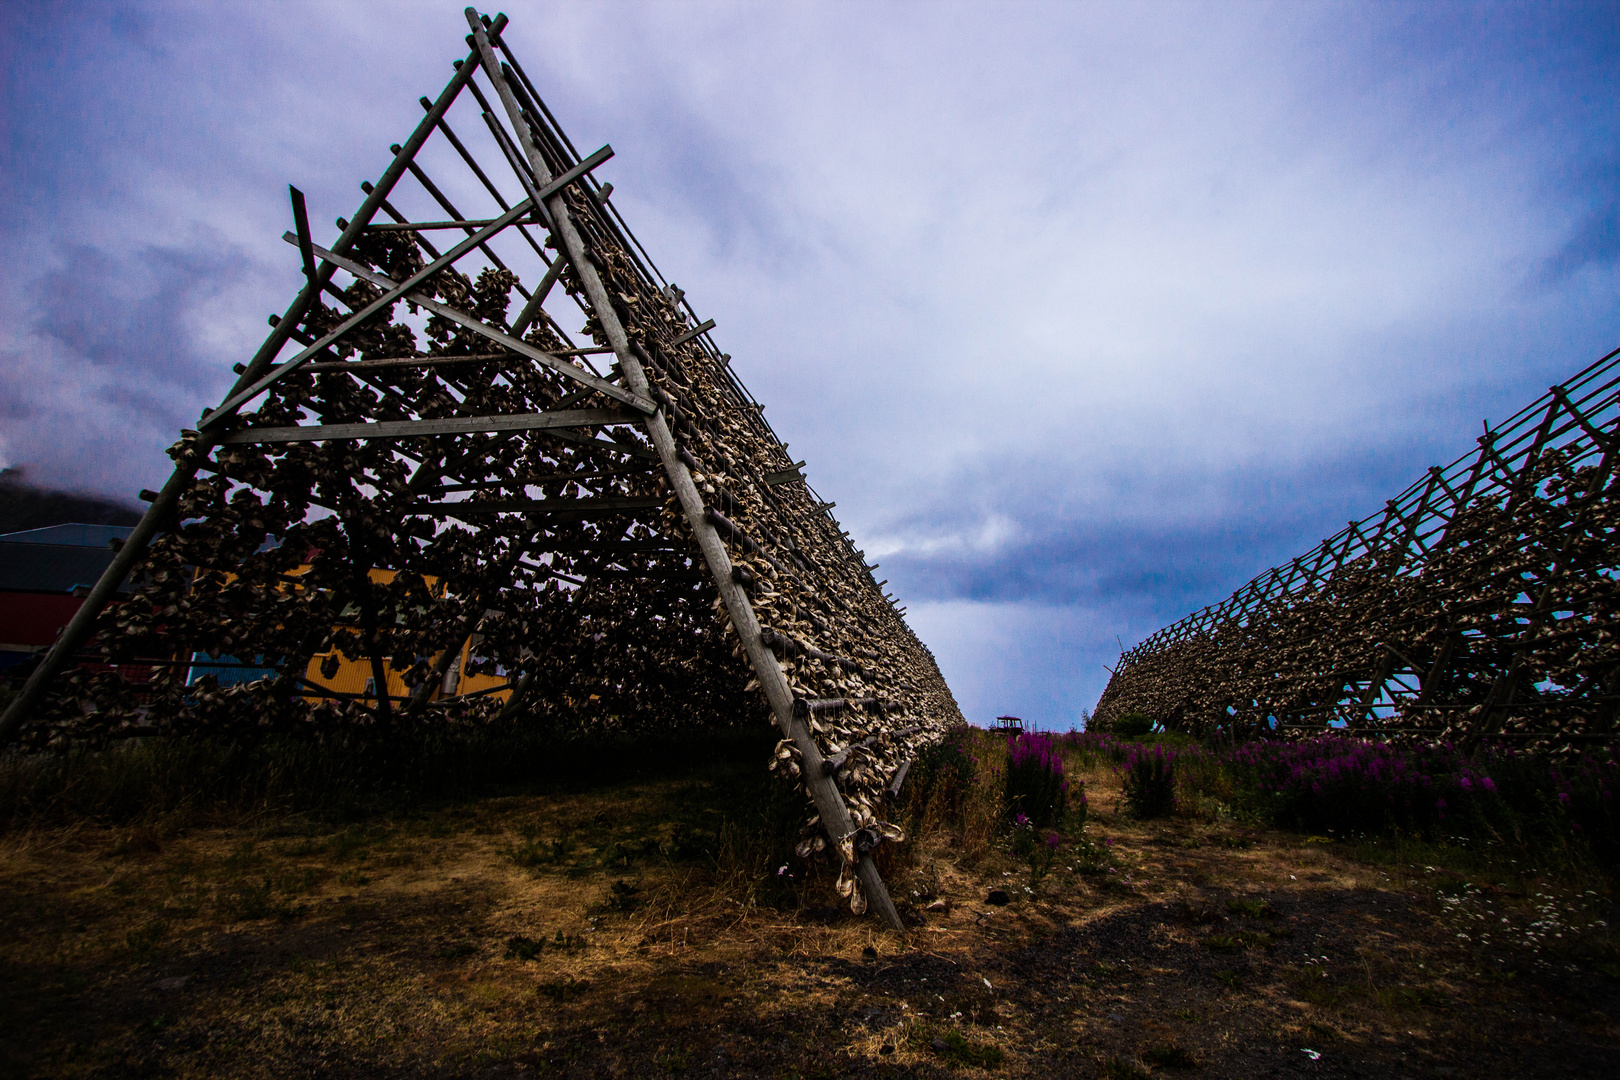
50, 568
57, 559
76, 535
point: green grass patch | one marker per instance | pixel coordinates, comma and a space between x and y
1170, 1056
958, 1049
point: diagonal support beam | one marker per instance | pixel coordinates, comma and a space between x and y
387, 299
834, 814
478, 326
1604, 442
80, 627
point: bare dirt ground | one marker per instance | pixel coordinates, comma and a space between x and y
572, 936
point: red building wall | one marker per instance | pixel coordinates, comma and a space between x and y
34, 619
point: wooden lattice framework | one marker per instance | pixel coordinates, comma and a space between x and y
1482, 602
633, 545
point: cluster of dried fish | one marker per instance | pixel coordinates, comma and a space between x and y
871, 692
433, 476
1482, 603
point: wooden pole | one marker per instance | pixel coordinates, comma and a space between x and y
162, 509
823, 791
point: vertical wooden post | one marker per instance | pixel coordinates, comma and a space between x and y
1380, 675
1437, 670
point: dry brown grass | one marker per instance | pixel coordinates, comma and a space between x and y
451, 942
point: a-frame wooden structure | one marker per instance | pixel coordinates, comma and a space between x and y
1481, 604
405, 465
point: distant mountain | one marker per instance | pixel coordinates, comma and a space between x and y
24, 506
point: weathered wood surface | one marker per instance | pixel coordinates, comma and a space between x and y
411, 429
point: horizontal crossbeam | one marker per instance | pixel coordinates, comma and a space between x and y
409, 361
538, 506
411, 429
425, 226
605, 444
651, 547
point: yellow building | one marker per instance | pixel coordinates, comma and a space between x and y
353, 676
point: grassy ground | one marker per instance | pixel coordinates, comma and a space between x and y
633, 928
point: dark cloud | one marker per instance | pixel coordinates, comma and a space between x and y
131, 312
114, 354
1007, 532
1029, 620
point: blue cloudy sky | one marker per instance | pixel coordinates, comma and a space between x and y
1083, 313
